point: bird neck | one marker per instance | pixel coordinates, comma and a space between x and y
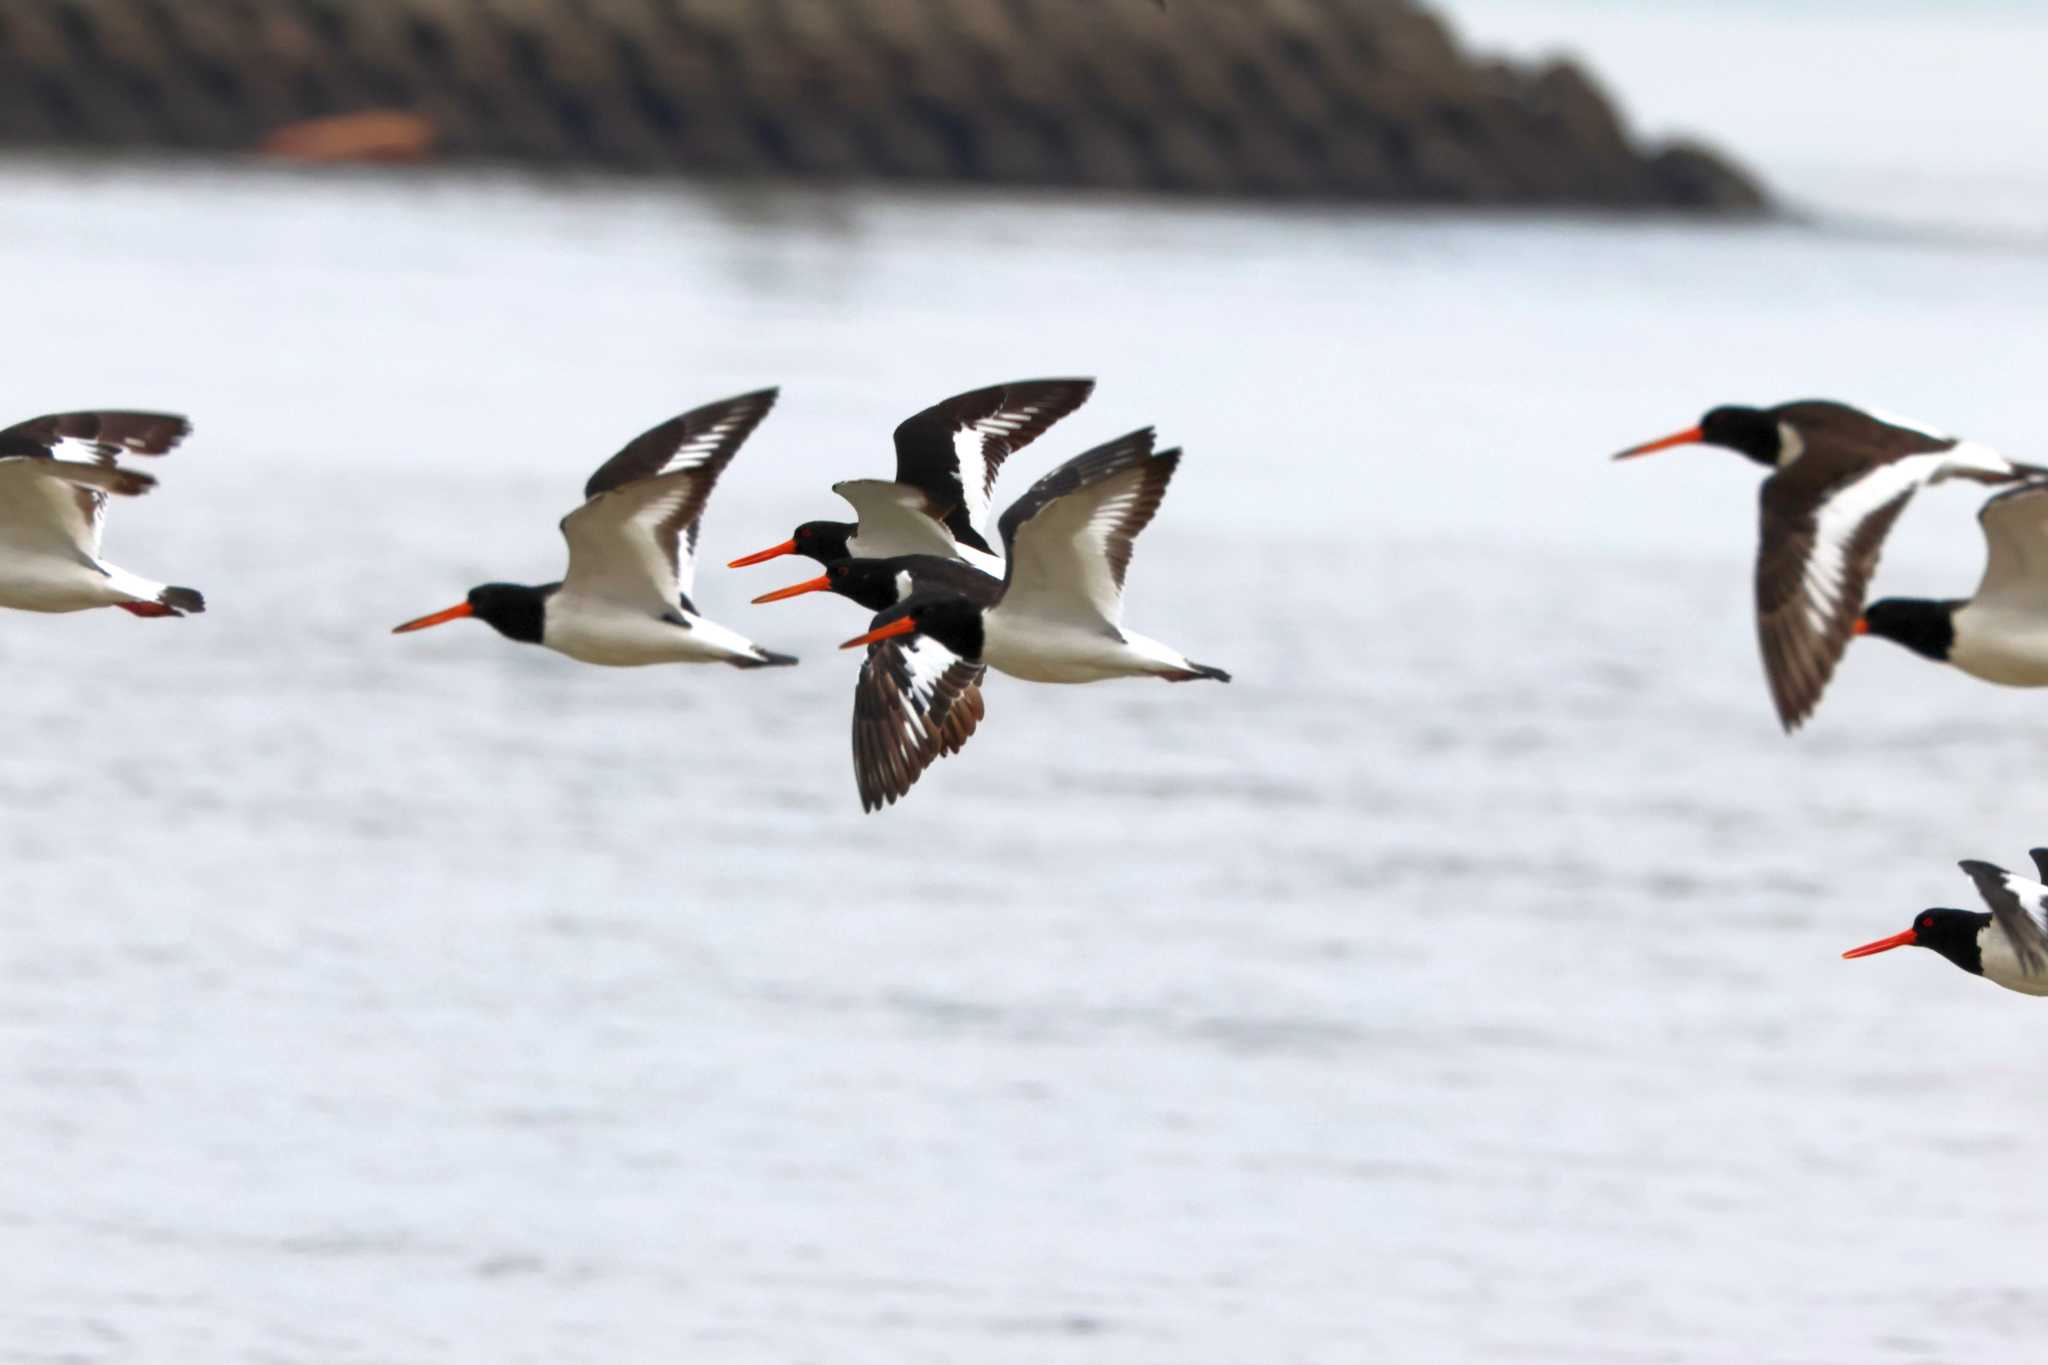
827, 541
516, 611
1959, 936
1926, 627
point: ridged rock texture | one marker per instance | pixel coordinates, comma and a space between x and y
1329, 99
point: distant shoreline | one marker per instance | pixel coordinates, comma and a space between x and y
1372, 101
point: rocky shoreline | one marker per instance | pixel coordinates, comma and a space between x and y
1349, 100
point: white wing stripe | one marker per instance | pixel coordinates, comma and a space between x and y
970, 451
1836, 523
1907, 424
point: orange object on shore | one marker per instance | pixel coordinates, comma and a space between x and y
372, 135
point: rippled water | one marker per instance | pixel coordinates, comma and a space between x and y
1460, 984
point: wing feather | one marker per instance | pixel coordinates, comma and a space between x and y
1813, 569
634, 540
87, 444
914, 702
953, 450
2015, 526
1069, 539
2017, 906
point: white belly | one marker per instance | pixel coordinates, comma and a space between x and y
2002, 966
2002, 647
592, 631
1037, 651
51, 583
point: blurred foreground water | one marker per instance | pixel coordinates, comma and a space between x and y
1458, 984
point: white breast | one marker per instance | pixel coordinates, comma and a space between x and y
2002, 965
2001, 646
597, 631
1040, 650
40, 582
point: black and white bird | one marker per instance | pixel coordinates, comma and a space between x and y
625, 599
2001, 633
947, 458
1840, 477
56, 474
1068, 543
2008, 946
915, 700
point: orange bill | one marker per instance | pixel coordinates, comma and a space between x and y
1885, 945
821, 583
454, 613
1689, 437
902, 625
787, 547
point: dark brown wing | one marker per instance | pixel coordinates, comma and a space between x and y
1814, 563
2019, 913
634, 539
705, 437
952, 451
914, 702
101, 436
104, 435
1850, 439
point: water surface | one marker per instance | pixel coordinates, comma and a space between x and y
1459, 984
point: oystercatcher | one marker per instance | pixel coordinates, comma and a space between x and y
2009, 946
915, 700
1840, 478
947, 458
56, 473
2001, 633
879, 584
632, 555
1067, 542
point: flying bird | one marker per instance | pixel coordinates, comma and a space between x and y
2001, 633
625, 599
915, 700
1067, 543
2008, 947
56, 474
947, 458
1840, 477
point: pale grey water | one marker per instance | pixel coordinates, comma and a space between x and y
1460, 984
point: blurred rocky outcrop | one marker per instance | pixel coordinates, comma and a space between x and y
1332, 99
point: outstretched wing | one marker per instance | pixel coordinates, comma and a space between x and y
2015, 549
952, 451
897, 519
915, 702
2020, 908
1069, 539
1814, 562
635, 540
62, 500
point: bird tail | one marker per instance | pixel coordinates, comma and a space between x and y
168, 602
185, 601
769, 659
1195, 672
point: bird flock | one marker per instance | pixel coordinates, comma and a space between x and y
1840, 477
948, 607
1044, 601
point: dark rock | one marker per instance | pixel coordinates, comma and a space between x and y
1694, 177
1335, 99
